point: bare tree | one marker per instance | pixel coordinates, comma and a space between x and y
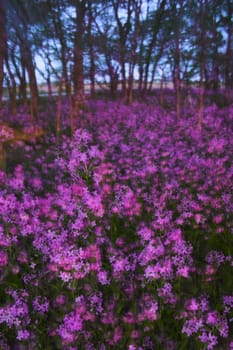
202, 61
78, 73
2, 45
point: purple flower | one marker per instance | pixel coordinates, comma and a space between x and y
23, 335
3, 258
192, 326
209, 339
41, 304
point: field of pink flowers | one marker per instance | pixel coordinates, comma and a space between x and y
122, 237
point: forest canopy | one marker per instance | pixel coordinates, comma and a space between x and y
128, 45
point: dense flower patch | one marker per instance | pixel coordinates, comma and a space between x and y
122, 237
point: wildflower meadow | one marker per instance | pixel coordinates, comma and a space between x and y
120, 237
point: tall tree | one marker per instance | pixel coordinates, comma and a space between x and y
78, 73
59, 29
137, 7
177, 12
20, 19
91, 48
123, 26
228, 21
202, 60
157, 18
2, 45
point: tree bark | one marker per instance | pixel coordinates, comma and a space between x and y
21, 77
123, 31
59, 30
91, 50
229, 50
177, 73
27, 62
157, 24
78, 77
59, 110
11, 84
202, 64
133, 49
2, 45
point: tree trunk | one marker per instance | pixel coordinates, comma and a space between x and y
65, 72
29, 65
11, 84
49, 86
133, 49
79, 94
114, 78
202, 64
123, 71
91, 50
23, 87
123, 31
21, 77
2, 45
161, 90
59, 109
228, 54
140, 79
157, 24
177, 55
130, 87
177, 78
155, 64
